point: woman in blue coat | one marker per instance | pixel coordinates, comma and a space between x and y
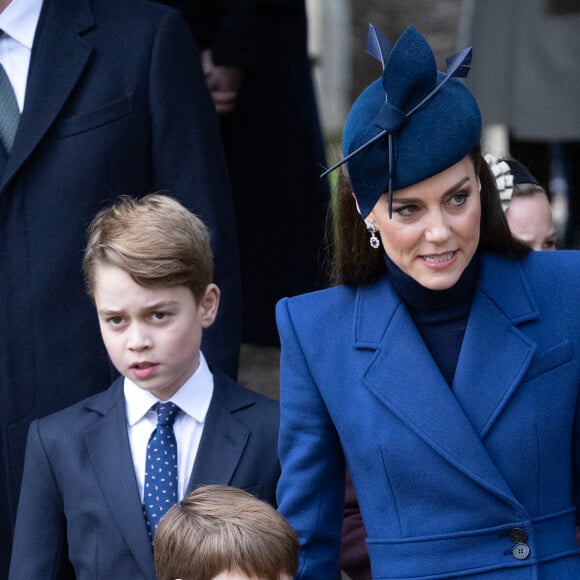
443, 368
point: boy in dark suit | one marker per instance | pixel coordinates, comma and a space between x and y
112, 99
100, 474
223, 533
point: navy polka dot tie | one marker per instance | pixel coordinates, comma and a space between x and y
160, 491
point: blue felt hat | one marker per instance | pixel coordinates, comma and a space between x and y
411, 123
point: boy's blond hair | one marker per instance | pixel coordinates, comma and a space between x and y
156, 240
218, 529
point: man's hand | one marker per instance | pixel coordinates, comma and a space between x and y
223, 83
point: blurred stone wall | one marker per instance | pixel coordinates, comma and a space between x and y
437, 20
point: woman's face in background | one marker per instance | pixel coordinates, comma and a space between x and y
530, 220
434, 231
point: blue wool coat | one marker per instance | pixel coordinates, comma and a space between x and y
475, 481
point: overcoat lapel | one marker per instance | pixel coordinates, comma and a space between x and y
404, 377
50, 84
495, 354
115, 474
223, 441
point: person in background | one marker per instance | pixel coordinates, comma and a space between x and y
258, 70
222, 533
99, 474
224, 31
108, 98
525, 202
521, 44
442, 369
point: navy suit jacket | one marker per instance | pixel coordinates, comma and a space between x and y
116, 103
80, 503
443, 476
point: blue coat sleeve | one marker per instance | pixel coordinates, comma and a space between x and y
311, 487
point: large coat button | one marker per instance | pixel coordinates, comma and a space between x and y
521, 551
518, 536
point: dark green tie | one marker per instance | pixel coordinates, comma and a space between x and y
9, 112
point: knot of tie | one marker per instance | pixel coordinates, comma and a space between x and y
166, 413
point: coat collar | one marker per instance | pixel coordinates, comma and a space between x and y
374, 307
224, 438
114, 471
59, 56
501, 280
495, 354
404, 377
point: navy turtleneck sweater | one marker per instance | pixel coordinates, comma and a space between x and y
440, 315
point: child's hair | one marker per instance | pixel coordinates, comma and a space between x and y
218, 529
156, 240
528, 190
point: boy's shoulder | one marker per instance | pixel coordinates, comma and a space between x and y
255, 411
235, 396
79, 413
230, 395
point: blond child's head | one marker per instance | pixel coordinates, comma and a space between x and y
220, 532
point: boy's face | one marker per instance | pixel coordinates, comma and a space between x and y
152, 335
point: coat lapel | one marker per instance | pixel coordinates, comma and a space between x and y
115, 474
59, 56
223, 441
495, 353
404, 377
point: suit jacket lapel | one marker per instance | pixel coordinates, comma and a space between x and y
404, 377
3, 160
59, 56
223, 441
495, 354
115, 474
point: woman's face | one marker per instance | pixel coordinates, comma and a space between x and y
434, 231
530, 220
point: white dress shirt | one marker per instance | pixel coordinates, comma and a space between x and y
193, 398
18, 21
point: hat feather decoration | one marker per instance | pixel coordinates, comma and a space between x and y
409, 83
458, 66
378, 45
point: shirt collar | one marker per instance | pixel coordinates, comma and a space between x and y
19, 20
193, 398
